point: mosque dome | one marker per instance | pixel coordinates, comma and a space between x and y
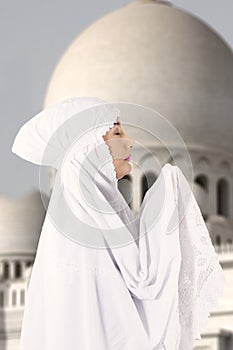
21, 223
155, 54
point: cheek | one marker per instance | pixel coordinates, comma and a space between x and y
116, 148
117, 144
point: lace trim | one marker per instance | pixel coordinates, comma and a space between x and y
201, 280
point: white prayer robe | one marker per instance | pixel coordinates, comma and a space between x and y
153, 291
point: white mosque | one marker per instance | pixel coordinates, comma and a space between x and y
20, 225
152, 54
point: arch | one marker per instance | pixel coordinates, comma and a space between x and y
223, 197
147, 181
225, 166
203, 181
203, 162
126, 189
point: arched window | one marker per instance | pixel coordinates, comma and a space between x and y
6, 270
18, 269
222, 197
14, 297
218, 240
125, 187
202, 180
147, 181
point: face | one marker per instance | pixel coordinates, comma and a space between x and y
120, 145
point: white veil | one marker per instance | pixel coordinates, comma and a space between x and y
164, 256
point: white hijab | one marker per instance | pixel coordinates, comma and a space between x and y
160, 267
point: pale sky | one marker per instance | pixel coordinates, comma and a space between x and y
34, 35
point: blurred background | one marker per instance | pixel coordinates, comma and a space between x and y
34, 36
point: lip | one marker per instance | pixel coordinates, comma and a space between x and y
128, 158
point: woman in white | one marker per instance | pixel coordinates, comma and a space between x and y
103, 279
